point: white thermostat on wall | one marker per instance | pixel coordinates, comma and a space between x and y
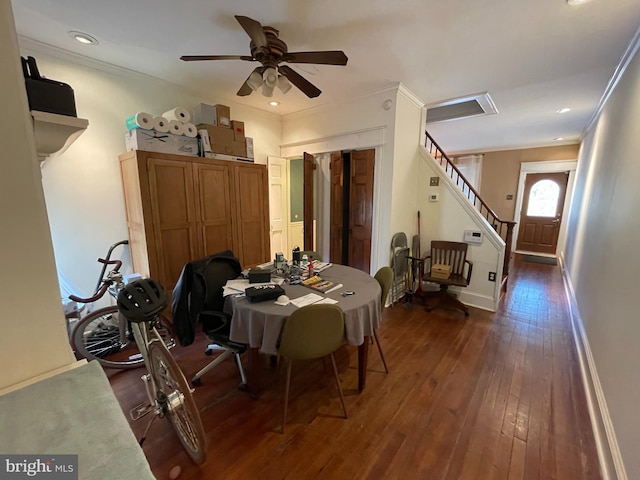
473, 236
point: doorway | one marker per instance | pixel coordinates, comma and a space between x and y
542, 208
351, 204
345, 237
544, 167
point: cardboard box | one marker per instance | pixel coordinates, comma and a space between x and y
239, 148
221, 139
439, 270
153, 141
249, 143
184, 145
223, 116
203, 113
238, 130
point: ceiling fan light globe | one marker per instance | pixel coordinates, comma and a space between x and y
270, 77
254, 81
267, 90
283, 84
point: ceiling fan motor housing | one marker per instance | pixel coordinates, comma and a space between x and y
276, 48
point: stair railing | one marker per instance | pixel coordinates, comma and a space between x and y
503, 227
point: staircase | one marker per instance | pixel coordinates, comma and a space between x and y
504, 228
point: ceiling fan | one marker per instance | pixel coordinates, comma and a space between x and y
268, 49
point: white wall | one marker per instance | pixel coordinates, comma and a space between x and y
602, 260
82, 186
405, 184
33, 325
447, 219
365, 123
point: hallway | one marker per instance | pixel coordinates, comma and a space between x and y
487, 396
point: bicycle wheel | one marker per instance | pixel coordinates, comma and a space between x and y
101, 336
174, 397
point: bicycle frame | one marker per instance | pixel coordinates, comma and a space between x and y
144, 336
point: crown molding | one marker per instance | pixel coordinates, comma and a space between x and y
27, 43
626, 58
410, 95
318, 108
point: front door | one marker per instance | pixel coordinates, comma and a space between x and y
542, 205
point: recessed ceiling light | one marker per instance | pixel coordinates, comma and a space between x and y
274, 103
83, 38
576, 2
557, 139
563, 110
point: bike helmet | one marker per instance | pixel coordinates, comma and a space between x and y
142, 300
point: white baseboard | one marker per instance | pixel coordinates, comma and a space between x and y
611, 463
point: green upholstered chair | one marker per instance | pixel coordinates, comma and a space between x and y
314, 331
384, 276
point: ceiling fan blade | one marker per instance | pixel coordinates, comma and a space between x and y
254, 30
309, 89
333, 57
245, 89
195, 58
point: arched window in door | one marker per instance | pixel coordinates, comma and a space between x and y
543, 199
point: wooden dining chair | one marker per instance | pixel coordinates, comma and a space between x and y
313, 331
453, 254
385, 278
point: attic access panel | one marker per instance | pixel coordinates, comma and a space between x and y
462, 107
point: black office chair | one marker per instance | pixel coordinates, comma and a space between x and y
198, 299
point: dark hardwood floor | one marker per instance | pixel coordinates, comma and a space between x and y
493, 395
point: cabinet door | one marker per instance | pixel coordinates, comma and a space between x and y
174, 218
252, 214
214, 207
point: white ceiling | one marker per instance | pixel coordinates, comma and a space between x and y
532, 56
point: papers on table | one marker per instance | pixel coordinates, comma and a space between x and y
326, 300
239, 285
311, 299
305, 300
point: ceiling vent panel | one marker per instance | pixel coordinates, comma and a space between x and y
462, 107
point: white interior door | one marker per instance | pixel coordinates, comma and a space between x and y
278, 188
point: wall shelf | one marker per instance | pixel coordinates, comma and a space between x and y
55, 133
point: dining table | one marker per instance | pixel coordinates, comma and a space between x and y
259, 324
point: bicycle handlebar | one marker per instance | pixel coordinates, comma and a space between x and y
96, 297
118, 264
105, 282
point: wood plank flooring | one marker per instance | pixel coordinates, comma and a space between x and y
489, 396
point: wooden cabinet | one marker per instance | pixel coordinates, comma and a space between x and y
183, 208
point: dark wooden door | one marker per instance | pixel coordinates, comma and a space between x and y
336, 208
542, 206
309, 165
361, 208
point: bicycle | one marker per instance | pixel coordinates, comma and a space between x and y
104, 335
167, 389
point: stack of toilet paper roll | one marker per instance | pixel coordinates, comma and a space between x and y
176, 121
